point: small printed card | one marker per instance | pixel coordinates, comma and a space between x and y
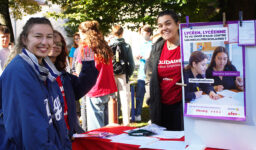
97, 134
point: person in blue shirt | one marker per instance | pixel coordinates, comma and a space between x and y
220, 62
196, 69
32, 102
144, 52
76, 39
73, 87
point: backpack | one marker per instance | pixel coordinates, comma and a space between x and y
119, 58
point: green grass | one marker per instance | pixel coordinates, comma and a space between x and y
144, 117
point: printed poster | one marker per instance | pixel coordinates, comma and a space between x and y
213, 72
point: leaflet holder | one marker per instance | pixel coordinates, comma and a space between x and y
187, 22
224, 19
241, 18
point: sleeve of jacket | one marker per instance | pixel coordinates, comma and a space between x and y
86, 80
188, 95
130, 60
233, 68
24, 113
149, 62
3, 139
206, 87
208, 73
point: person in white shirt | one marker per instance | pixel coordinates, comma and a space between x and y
144, 52
4, 46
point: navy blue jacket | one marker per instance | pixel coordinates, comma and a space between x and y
32, 108
191, 88
227, 81
76, 87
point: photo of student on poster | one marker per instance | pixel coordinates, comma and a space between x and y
213, 72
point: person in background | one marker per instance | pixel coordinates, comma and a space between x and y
92, 42
4, 46
72, 58
122, 79
76, 39
145, 49
31, 98
73, 87
220, 62
196, 69
165, 102
155, 37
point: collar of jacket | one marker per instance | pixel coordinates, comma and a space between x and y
120, 40
43, 72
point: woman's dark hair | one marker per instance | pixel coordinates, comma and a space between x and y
74, 40
170, 13
60, 62
24, 34
95, 41
196, 56
4, 30
217, 50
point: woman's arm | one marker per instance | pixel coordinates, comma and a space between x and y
239, 83
86, 80
189, 95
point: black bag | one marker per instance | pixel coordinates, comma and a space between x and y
119, 58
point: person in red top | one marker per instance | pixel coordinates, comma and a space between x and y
92, 41
165, 64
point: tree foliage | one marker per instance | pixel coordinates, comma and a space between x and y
19, 8
130, 12
133, 13
22, 7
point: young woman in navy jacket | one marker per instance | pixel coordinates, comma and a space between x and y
220, 62
31, 98
196, 69
74, 87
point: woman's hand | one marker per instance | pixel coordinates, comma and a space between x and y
198, 94
139, 57
239, 83
213, 95
218, 88
89, 54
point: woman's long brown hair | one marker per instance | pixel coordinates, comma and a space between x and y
95, 40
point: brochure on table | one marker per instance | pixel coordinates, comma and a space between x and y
230, 121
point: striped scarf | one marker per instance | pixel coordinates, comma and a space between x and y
43, 72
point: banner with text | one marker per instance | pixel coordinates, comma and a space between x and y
214, 80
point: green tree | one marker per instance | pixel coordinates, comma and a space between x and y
133, 12
5, 16
109, 12
19, 8
77, 11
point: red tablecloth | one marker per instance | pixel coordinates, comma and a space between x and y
93, 143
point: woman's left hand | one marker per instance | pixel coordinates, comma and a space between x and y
89, 54
213, 95
239, 83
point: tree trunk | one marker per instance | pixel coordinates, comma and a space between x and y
5, 16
